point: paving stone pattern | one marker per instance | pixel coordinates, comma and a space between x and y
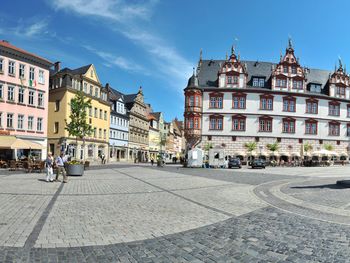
137, 214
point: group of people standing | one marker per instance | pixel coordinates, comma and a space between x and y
57, 163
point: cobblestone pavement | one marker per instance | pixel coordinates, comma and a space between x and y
143, 214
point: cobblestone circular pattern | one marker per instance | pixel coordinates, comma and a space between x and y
148, 215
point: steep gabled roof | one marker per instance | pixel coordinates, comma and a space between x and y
81, 71
6, 44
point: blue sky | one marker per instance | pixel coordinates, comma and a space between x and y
155, 43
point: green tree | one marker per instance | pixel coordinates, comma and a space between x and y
307, 147
208, 146
78, 125
251, 146
273, 147
328, 147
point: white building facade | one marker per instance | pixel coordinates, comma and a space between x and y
231, 102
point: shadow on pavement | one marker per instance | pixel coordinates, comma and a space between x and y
322, 186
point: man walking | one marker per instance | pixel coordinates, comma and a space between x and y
60, 160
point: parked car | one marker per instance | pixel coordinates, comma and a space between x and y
258, 163
234, 162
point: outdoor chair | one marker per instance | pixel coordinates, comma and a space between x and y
13, 166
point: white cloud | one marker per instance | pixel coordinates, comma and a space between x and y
36, 28
117, 10
25, 29
169, 63
119, 61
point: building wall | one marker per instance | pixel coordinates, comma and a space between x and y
16, 108
253, 112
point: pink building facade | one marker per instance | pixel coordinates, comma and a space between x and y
24, 85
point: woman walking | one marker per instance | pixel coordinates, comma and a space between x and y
49, 167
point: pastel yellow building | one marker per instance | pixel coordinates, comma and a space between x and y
64, 84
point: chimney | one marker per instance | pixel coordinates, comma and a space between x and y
107, 86
57, 66
5, 41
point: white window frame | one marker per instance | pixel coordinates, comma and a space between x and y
39, 124
20, 121
10, 95
7, 120
30, 122
31, 73
22, 70
31, 98
12, 68
40, 100
41, 77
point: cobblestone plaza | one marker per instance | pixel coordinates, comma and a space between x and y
135, 213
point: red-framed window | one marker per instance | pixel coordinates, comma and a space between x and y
311, 106
266, 102
311, 127
216, 122
340, 91
238, 123
281, 82
239, 101
216, 100
289, 104
334, 108
288, 125
297, 84
232, 79
334, 128
193, 122
265, 124
193, 100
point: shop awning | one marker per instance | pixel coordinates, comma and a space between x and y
11, 142
34, 146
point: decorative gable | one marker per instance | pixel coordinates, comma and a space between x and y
339, 82
288, 74
232, 73
91, 74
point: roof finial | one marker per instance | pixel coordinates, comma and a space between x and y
290, 44
340, 63
232, 50
140, 89
239, 56
226, 56
193, 71
200, 55
281, 55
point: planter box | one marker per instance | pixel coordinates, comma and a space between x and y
75, 169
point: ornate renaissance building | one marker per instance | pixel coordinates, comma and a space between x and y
138, 127
231, 102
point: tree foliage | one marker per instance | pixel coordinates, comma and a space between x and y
251, 146
273, 147
328, 147
78, 125
208, 146
307, 147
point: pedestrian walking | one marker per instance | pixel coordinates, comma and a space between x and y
60, 161
152, 161
49, 167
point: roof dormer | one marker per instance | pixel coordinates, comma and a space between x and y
232, 73
288, 75
339, 82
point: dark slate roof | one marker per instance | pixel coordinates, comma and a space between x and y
115, 94
156, 115
208, 74
81, 70
130, 98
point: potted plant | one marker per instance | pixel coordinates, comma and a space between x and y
79, 128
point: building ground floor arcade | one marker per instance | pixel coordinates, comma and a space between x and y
289, 149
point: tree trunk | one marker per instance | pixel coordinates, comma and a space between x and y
84, 150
